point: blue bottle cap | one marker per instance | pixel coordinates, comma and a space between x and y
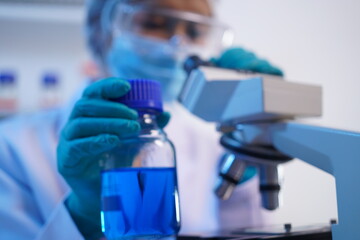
7, 77
50, 79
144, 95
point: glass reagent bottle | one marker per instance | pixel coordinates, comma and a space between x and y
139, 183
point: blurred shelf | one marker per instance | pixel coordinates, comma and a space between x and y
51, 13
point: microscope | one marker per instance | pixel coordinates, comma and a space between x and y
256, 115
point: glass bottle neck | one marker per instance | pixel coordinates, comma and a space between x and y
149, 125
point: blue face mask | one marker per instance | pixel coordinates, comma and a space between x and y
136, 57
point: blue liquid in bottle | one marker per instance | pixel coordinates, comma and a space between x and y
140, 202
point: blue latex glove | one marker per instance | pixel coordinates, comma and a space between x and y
96, 125
238, 58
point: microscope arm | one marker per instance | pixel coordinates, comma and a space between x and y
336, 152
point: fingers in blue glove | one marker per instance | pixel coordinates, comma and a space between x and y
94, 115
102, 108
87, 127
107, 89
73, 152
238, 58
163, 119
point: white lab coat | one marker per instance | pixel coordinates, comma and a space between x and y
32, 192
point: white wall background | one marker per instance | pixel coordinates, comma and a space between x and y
313, 41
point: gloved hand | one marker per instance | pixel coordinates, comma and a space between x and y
96, 125
238, 58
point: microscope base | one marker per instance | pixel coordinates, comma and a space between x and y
317, 232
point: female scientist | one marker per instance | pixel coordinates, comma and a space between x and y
49, 172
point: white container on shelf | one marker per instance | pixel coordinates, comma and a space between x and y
8, 93
50, 95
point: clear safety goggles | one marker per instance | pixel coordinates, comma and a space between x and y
203, 35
